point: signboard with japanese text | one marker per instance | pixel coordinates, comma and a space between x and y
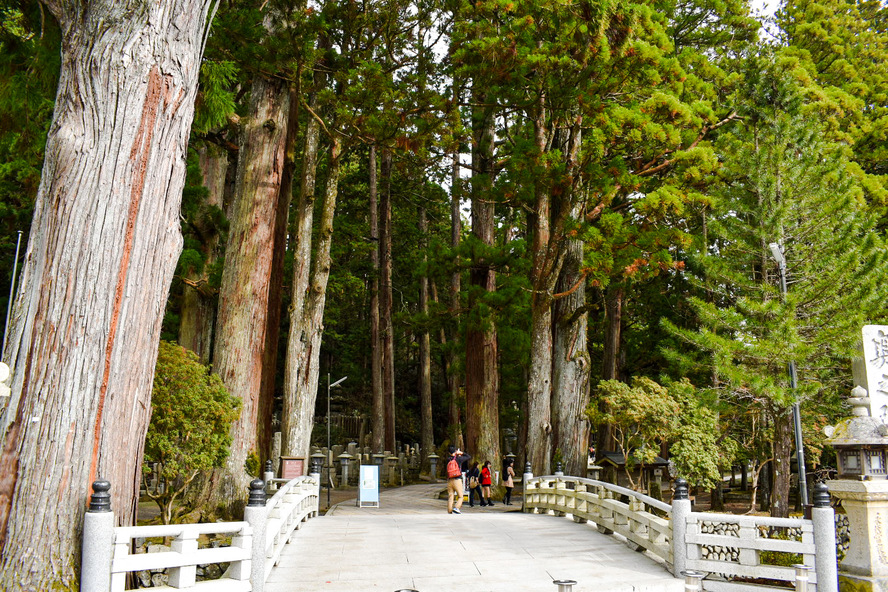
875, 359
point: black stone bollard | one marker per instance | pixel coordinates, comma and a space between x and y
681, 490
100, 500
257, 493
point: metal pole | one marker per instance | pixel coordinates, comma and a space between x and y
796, 412
18, 243
802, 577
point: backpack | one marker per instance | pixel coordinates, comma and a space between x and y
453, 469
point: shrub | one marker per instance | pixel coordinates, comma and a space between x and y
189, 433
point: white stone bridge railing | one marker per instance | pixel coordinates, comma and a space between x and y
256, 544
729, 553
643, 521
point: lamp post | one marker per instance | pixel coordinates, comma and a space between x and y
777, 253
329, 449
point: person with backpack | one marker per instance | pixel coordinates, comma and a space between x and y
486, 482
453, 467
474, 477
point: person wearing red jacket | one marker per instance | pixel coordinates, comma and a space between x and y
486, 482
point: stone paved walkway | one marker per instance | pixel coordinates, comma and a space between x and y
411, 543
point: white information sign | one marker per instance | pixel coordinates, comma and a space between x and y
369, 486
875, 359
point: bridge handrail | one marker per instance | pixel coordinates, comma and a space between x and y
294, 503
184, 556
727, 546
731, 545
259, 538
593, 500
648, 500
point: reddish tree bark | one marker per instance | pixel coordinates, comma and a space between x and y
482, 377
242, 329
104, 244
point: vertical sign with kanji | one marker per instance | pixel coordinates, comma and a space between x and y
875, 358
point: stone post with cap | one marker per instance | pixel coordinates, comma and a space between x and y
98, 540
269, 476
681, 509
824, 519
256, 515
528, 475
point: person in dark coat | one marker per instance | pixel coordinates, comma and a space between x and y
475, 485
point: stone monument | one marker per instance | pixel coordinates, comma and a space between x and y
861, 444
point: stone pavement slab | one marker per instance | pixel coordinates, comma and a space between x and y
411, 543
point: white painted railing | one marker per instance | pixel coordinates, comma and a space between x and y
256, 543
727, 549
599, 502
730, 548
294, 503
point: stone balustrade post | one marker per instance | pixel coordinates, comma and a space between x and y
681, 509
256, 515
528, 475
824, 519
269, 474
98, 540
433, 467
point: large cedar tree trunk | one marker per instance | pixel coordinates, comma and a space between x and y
104, 243
482, 378
296, 422
427, 437
276, 289
198, 313
539, 385
385, 301
310, 329
245, 293
570, 377
613, 322
378, 398
552, 206
453, 378
783, 449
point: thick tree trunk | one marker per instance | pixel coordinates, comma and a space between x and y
104, 243
198, 315
453, 380
613, 322
613, 311
385, 301
244, 296
295, 425
378, 397
570, 378
539, 386
427, 438
312, 325
783, 447
276, 287
482, 378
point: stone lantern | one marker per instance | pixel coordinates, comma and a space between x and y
861, 444
344, 459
